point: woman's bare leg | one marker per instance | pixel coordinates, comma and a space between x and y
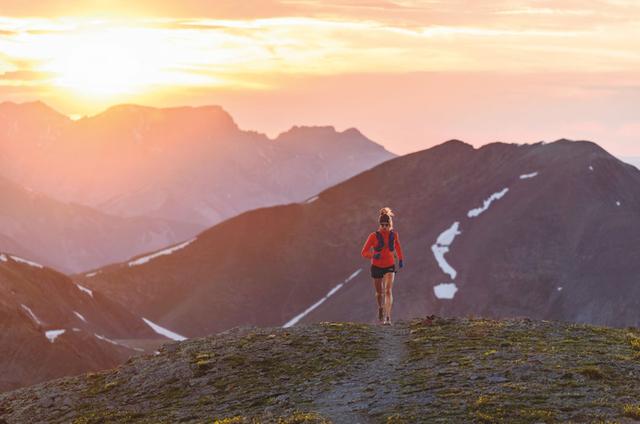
388, 295
377, 282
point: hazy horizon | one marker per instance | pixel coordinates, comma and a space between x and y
408, 74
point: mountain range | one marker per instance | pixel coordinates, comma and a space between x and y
188, 164
547, 231
136, 178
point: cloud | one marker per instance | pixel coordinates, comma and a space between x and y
23, 75
547, 12
172, 49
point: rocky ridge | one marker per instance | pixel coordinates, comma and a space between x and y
440, 370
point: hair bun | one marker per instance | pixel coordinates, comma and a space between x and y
386, 211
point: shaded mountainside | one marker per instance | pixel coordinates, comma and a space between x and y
547, 230
7, 244
184, 164
72, 237
445, 370
51, 327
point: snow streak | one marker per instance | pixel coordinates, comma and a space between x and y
526, 176
311, 200
333, 291
84, 289
164, 332
495, 196
103, 338
31, 314
168, 251
26, 261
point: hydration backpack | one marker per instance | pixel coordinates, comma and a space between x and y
392, 241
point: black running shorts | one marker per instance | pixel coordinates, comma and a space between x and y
379, 272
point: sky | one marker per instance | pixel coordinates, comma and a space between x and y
408, 74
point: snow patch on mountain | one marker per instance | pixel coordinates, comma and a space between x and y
53, 334
26, 261
445, 290
113, 342
333, 291
3, 257
84, 289
31, 314
618, 203
164, 332
441, 247
168, 251
79, 315
103, 338
311, 200
591, 168
473, 213
527, 176
92, 274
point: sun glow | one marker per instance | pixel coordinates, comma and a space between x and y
99, 60
100, 69
102, 64
106, 61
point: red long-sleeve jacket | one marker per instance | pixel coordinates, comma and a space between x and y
386, 256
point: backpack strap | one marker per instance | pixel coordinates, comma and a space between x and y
392, 241
380, 245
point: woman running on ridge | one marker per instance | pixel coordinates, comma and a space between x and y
382, 247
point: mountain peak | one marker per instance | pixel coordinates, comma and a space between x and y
581, 144
572, 150
456, 142
297, 131
320, 137
354, 132
181, 114
450, 146
36, 108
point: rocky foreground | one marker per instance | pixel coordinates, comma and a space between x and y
445, 370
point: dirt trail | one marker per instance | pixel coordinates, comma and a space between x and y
370, 391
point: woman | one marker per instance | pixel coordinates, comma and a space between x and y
381, 247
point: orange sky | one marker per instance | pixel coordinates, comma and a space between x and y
409, 74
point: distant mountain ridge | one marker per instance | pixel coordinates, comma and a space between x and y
545, 230
186, 164
72, 237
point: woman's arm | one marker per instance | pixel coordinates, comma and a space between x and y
398, 250
366, 249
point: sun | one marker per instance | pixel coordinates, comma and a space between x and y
104, 64
99, 62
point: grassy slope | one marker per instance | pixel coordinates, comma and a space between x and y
456, 370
